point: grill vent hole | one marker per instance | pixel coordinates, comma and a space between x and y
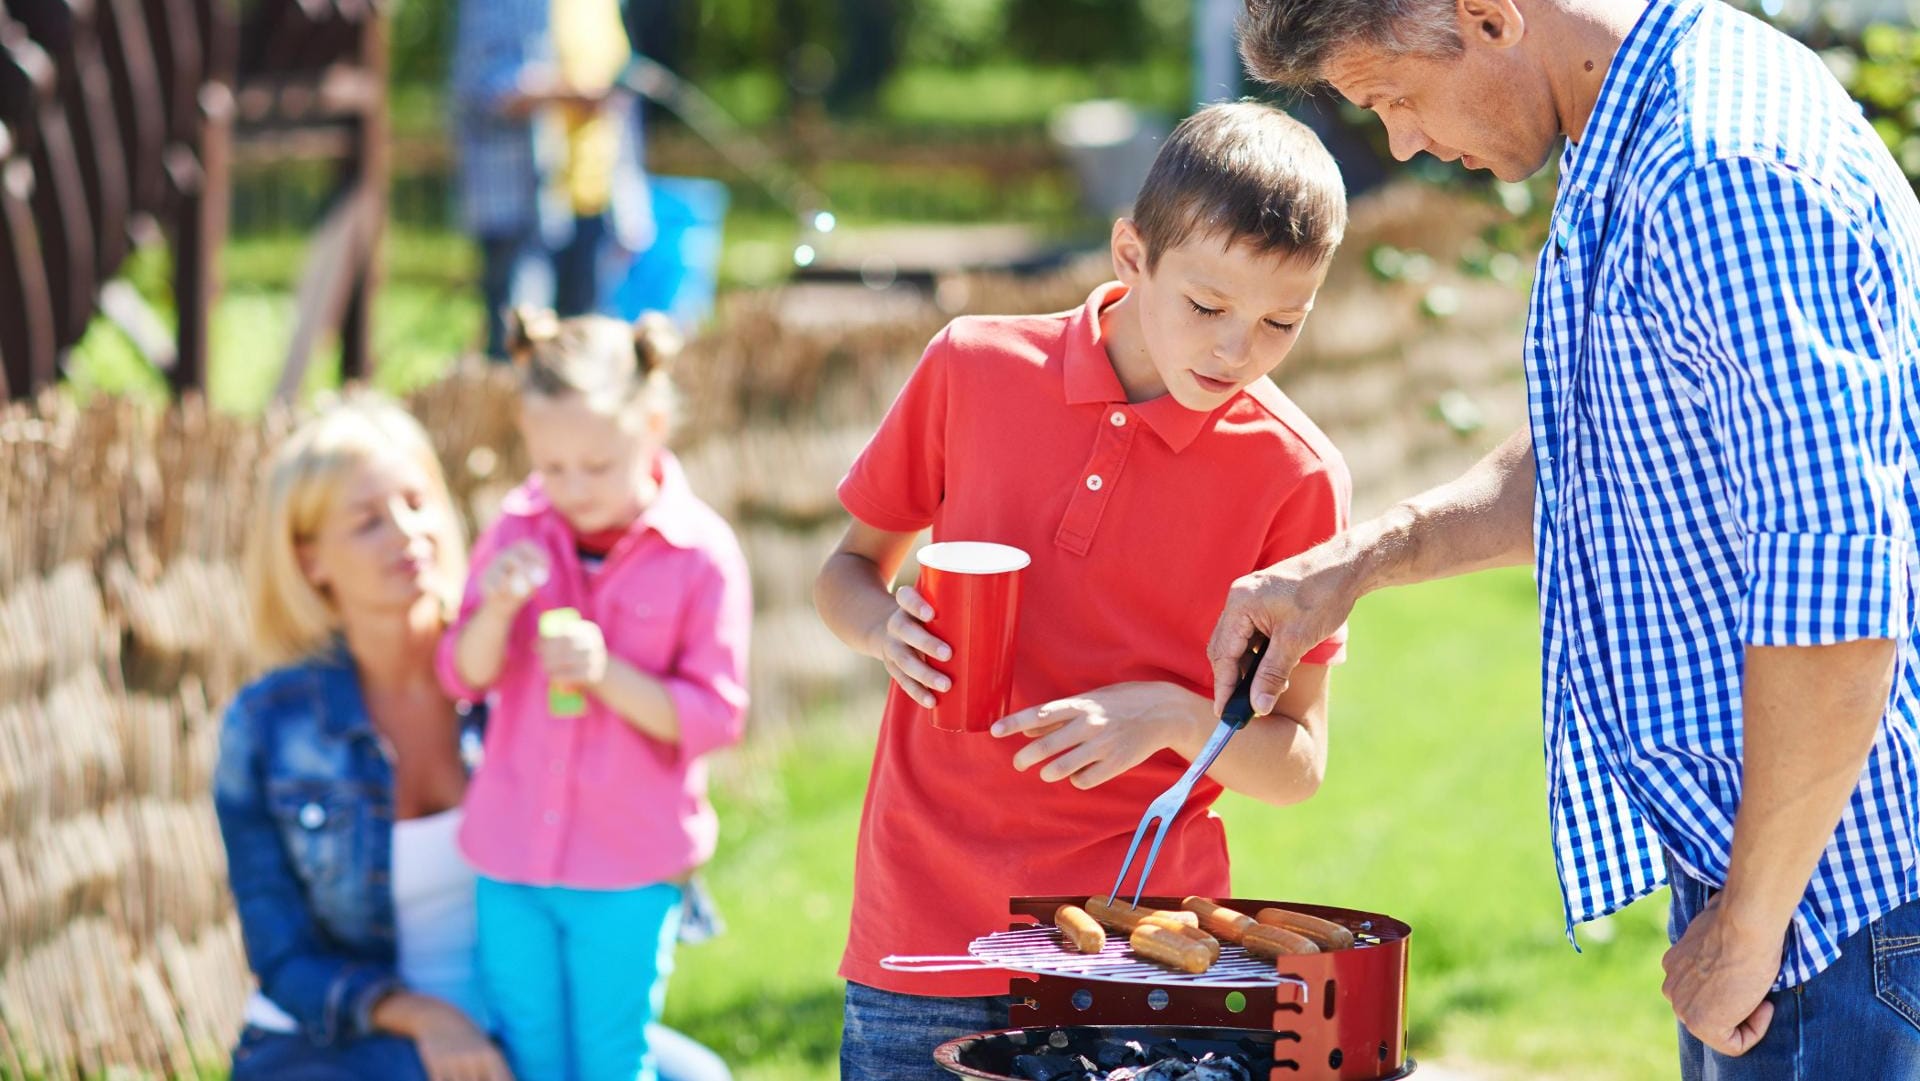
1334, 1059
1332, 987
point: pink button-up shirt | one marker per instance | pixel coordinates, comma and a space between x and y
590, 802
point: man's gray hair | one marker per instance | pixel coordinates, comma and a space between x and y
1288, 43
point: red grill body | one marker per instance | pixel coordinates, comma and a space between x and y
1352, 1025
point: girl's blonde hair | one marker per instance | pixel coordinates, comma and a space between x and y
292, 619
610, 364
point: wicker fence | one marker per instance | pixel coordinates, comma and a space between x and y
123, 626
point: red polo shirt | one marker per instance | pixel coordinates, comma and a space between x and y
1138, 518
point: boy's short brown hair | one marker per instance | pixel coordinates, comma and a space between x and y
1246, 172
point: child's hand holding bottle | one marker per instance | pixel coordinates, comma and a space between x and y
574, 653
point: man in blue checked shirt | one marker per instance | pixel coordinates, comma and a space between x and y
1717, 488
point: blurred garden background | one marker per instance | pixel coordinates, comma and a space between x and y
961, 152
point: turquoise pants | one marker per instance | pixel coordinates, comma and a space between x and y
575, 976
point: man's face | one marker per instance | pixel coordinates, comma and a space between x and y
1484, 108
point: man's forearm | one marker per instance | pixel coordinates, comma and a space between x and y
1480, 520
1811, 715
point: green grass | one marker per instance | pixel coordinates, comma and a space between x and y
427, 310
426, 313
1433, 811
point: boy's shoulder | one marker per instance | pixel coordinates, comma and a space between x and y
1016, 340
1285, 427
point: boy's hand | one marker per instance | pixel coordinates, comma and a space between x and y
576, 656
903, 644
1097, 736
512, 577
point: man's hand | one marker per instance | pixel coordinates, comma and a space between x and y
1293, 606
1718, 976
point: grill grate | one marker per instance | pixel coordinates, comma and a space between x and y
1042, 951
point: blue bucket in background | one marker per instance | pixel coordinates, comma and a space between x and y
679, 273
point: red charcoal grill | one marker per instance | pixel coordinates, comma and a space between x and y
1339, 1016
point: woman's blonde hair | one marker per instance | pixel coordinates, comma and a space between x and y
609, 364
292, 619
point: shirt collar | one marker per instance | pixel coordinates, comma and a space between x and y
1090, 378
673, 514
1616, 111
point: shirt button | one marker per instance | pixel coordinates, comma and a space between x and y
1094, 483
1119, 419
551, 818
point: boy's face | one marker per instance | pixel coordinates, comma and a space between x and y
1214, 317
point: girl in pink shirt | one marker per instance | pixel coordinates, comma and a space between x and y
590, 809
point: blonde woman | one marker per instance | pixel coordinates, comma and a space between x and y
341, 773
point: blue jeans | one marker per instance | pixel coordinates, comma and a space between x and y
891, 1037
269, 1056
574, 280
1858, 1020
272, 1056
575, 977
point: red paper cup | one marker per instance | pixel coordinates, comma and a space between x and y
974, 589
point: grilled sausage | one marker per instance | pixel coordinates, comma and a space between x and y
1223, 923
1125, 917
1325, 934
1082, 930
1171, 948
1172, 922
1273, 943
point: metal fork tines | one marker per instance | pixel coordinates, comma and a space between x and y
1165, 806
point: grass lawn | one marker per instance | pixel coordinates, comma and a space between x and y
1432, 812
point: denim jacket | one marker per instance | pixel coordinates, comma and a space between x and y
304, 795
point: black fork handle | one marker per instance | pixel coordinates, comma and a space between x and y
1240, 707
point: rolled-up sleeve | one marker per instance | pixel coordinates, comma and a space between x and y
1785, 311
331, 995
708, 683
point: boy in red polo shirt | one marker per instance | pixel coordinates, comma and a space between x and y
1134, 448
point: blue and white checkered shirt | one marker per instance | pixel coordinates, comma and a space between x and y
1723, 372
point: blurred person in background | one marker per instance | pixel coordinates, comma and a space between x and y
549, 163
